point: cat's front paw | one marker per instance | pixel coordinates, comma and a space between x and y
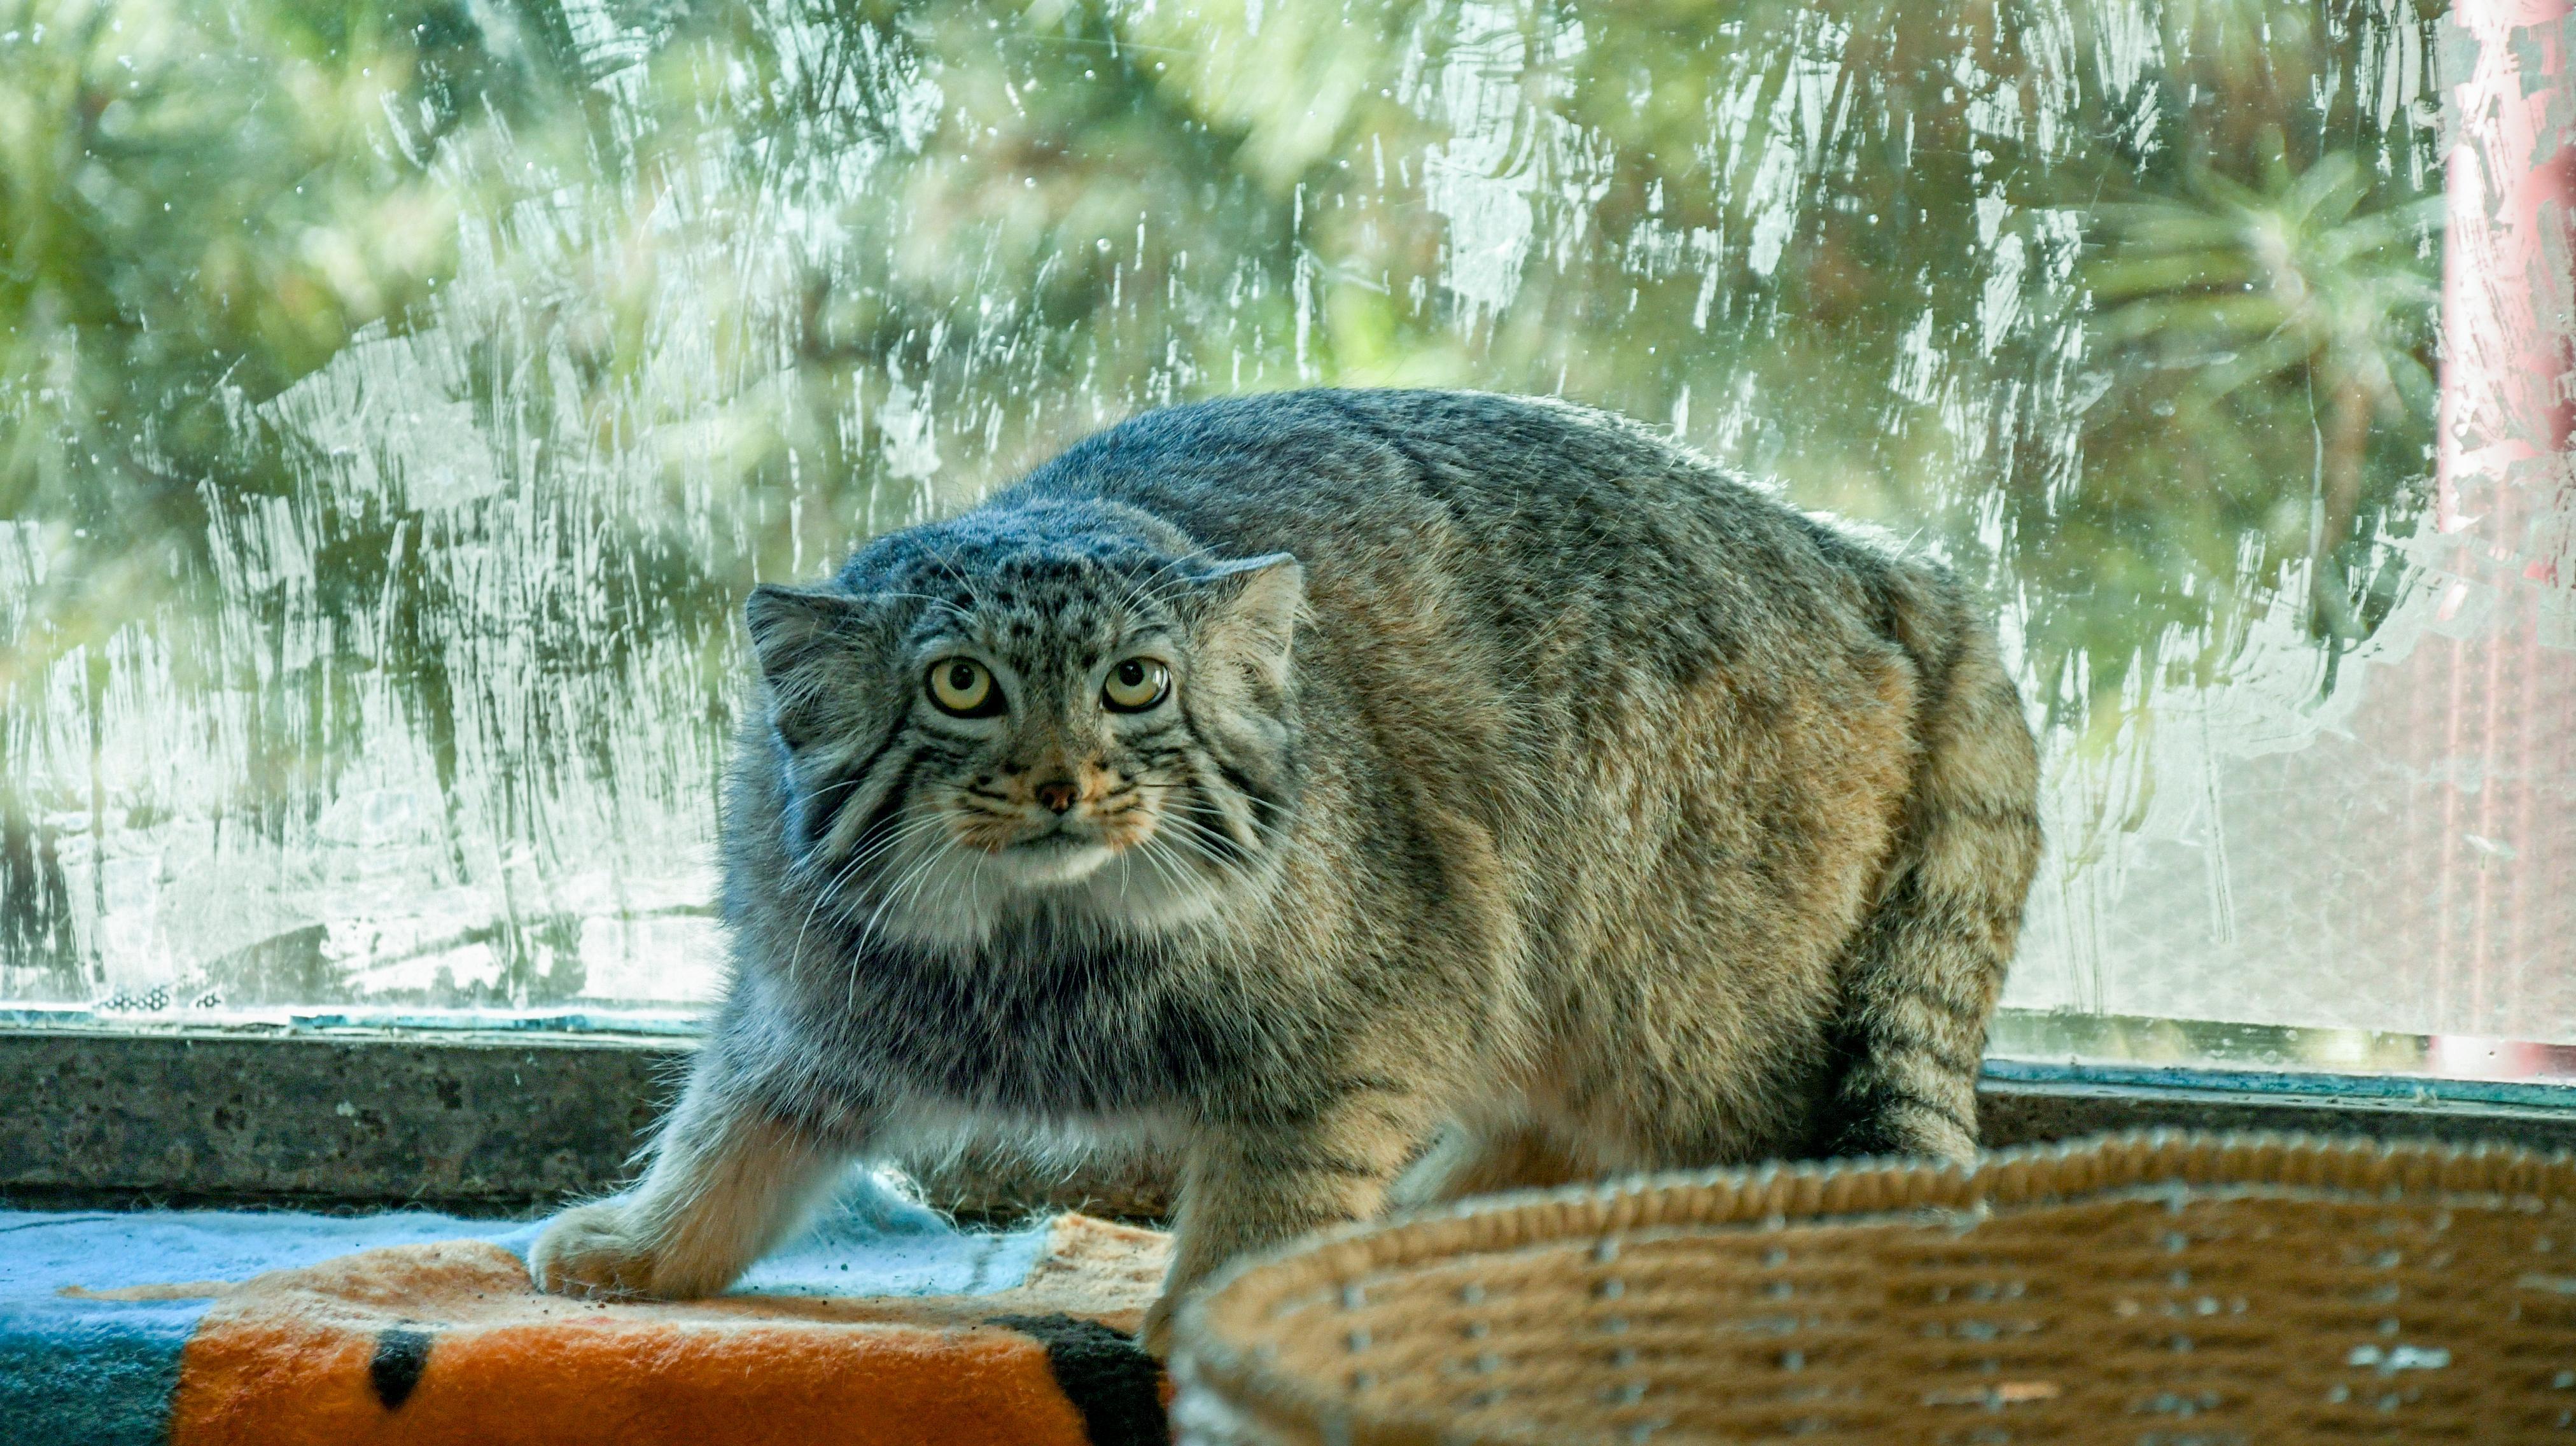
595, 1251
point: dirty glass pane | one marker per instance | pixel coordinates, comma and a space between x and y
397, 400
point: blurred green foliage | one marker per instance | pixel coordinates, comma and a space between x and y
2126, 308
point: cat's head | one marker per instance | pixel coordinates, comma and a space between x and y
1058, 710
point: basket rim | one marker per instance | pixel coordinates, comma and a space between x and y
1853, 1191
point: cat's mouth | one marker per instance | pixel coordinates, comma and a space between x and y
1118, 871
1037, 833
1058, 856
1035, 848
1053, 851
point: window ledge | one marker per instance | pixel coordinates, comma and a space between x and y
510, 1123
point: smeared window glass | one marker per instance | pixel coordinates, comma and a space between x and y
398, 402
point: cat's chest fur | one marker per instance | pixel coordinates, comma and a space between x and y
1043, 1028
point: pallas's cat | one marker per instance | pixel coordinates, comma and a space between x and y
1372, 797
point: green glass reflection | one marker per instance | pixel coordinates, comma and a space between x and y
398, 398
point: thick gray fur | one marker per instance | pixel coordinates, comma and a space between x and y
1534, 800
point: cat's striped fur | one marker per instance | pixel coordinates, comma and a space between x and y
1531, 800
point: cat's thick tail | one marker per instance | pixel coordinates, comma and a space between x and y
1921, 977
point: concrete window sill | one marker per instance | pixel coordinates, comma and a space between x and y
515, 1124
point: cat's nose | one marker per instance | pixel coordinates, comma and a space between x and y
1056, 794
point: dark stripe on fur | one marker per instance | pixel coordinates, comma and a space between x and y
1254, 801
1199, 808
890, 807
1387, 437
839, 789
1867, 1128
1948, 1055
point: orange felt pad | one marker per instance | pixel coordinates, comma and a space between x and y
448, 1344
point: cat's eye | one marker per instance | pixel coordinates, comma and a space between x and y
964, 687
1136, 685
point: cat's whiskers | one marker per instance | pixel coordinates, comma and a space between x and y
831, 889
1157, 852
1136, 593
1268, 901
867, 932
1195, 831
1198, 797
1195, 836
1173, 842
909, 891
905, 832
840, 878
975, 876
1269, 834
796, 952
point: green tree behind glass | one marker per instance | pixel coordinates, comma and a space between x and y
2102, 302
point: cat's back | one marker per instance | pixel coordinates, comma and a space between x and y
1600, 708
1509, 523
1334, 465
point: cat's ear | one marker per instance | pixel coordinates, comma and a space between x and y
1252, 610
790, 626
821, 653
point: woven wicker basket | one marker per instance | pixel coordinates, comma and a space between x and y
2181, 1290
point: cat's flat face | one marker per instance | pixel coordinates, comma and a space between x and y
1051, 712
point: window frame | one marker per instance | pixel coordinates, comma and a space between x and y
516, 1123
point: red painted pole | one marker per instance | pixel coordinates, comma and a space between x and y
2505, 494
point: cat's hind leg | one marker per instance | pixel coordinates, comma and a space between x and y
1922, 976
727, 1182
1254, 1185
1466, 1161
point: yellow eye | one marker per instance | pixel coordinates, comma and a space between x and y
962, 686
1136, 685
